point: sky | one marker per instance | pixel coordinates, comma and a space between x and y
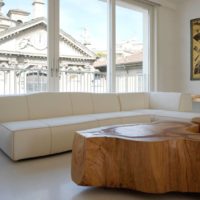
89, 18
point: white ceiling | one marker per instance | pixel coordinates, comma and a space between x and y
169, 3
176, 1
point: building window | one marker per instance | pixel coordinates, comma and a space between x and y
36, 81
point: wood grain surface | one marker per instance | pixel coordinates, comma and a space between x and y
154, 158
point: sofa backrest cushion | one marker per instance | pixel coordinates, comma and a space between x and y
81, 103
132, 101
48, 105
105, 102
168, 101
13, 108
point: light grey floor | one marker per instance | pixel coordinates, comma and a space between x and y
49, 179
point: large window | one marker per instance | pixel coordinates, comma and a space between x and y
130, 76
74, 45
83, 45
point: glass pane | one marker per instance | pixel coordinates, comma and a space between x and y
23, 46
129, 48
83, 45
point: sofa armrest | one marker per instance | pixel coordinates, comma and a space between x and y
185, 103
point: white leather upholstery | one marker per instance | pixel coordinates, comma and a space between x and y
174, 115
185, 103
60, 121
105, 102
105, 119
47, 105
112, 115
62, 136
13, 108
132, 101
82, 103
7, 141
136, 119
165, 100
25, 139
45, 123
157, 114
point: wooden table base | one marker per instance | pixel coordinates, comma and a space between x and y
154, 158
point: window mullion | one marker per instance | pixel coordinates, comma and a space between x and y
111, 71
53, 45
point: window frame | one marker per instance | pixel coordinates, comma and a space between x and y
150, 48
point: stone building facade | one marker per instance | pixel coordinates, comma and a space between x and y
23, 51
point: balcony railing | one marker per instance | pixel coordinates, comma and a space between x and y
20, 81
74, 81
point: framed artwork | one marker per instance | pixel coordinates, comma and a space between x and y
195, 49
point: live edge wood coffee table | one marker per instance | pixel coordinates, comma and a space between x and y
154, 158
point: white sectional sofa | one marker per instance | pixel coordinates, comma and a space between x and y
44, 123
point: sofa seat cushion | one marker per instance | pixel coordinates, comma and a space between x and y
105, 119
157, 114
68, 120
151, 112
24, 125
25, 139
97, 119
60, 121
175, 115
111, 115
64, 128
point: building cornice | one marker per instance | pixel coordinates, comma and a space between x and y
44, 56
32, 23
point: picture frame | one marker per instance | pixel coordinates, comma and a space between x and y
195, 49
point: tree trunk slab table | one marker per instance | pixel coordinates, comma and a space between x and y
155, 158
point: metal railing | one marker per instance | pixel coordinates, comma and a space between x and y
20, 81
74, 81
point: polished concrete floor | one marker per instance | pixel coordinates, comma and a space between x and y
48, 178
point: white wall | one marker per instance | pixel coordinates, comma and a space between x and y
186, 11
174, 46
167, 47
